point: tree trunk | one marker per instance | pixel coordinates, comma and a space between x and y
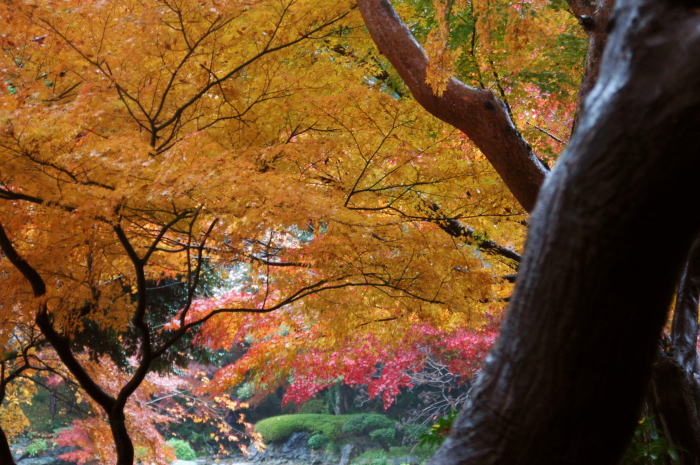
5, 452
122, 440
565, 382
684, 332
675, 396
53, 403
336, 399
675, 388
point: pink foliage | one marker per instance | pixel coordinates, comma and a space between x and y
77, 436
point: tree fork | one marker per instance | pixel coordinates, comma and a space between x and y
476, 112
114, 408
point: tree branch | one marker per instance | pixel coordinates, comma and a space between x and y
476, 112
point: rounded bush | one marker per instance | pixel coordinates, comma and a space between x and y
384, 435
318, 441
354, 425
364, 423
376, 421
183, 450
279, 428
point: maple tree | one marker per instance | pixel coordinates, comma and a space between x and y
291, 353
142, 142
110, 181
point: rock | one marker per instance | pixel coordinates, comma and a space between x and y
39, 461
295, 450
346, 454
296, 444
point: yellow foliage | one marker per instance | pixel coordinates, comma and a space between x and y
12, 418
232, 129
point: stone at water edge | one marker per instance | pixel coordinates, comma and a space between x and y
346, 454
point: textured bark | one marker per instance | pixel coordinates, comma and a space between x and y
567, 377
476, 112
684, 331
675, 388
675, 395
456, 228
595, 17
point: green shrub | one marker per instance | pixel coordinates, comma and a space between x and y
37, 447
375, 421
354, 425
318, 441
183, 450
279, 428
383, 435
439, 431
363, 423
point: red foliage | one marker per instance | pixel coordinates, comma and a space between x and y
385, 370
77, 436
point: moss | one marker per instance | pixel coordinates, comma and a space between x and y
279, 428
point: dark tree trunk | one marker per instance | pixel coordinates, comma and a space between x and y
675, 396
53, 403
5, 452
684, 332
122, 440
566, 380
675, 388
113, 407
